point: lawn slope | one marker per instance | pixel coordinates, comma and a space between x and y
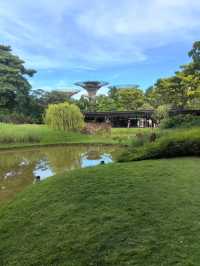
142, 213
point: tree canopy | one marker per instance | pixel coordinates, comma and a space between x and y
183, 89
64, 116
14, 87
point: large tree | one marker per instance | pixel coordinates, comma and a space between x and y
151, 99
171, 91
105, 104
183, 89
55, 96
130, 99
85, 104
194, 53
14, 87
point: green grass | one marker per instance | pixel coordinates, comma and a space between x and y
142, 213
170, 143
28, 135
10, 133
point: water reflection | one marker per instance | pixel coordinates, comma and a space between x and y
18, 168
96, 158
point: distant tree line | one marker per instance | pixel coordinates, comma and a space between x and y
20, 103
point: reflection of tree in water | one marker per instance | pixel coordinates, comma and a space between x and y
108, 150
42, 164
65, 157
93, 155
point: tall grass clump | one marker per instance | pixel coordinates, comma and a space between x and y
11, 133
64, 116
172, 143
133, 136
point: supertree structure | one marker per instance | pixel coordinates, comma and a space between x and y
91, 87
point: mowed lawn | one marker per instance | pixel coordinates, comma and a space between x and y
140, 213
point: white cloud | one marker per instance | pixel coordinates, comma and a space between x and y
84, 34
136, 18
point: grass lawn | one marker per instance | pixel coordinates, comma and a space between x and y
140, 213
28, 135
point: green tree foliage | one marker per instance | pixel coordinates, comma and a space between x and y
40, 100
54, 96
130, 99
64, 116
37, 106
162, 112
146, 106
172, 91
183, 89
195, 54
14, 87
123, 99
113, 93
105, 104
85, 104
150, 97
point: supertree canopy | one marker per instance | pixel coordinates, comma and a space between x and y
91, 87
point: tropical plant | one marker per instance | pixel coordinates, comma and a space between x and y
64, 116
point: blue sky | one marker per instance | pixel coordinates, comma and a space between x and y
122, 42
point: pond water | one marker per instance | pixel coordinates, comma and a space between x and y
18, 168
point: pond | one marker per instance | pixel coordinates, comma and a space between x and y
18, 168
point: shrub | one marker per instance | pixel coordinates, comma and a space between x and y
64, 116
143, 138
170, 144
97, 128
180, 121
15, 118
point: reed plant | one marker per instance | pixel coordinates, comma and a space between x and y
10, 133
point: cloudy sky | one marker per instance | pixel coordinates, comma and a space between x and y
122, 42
